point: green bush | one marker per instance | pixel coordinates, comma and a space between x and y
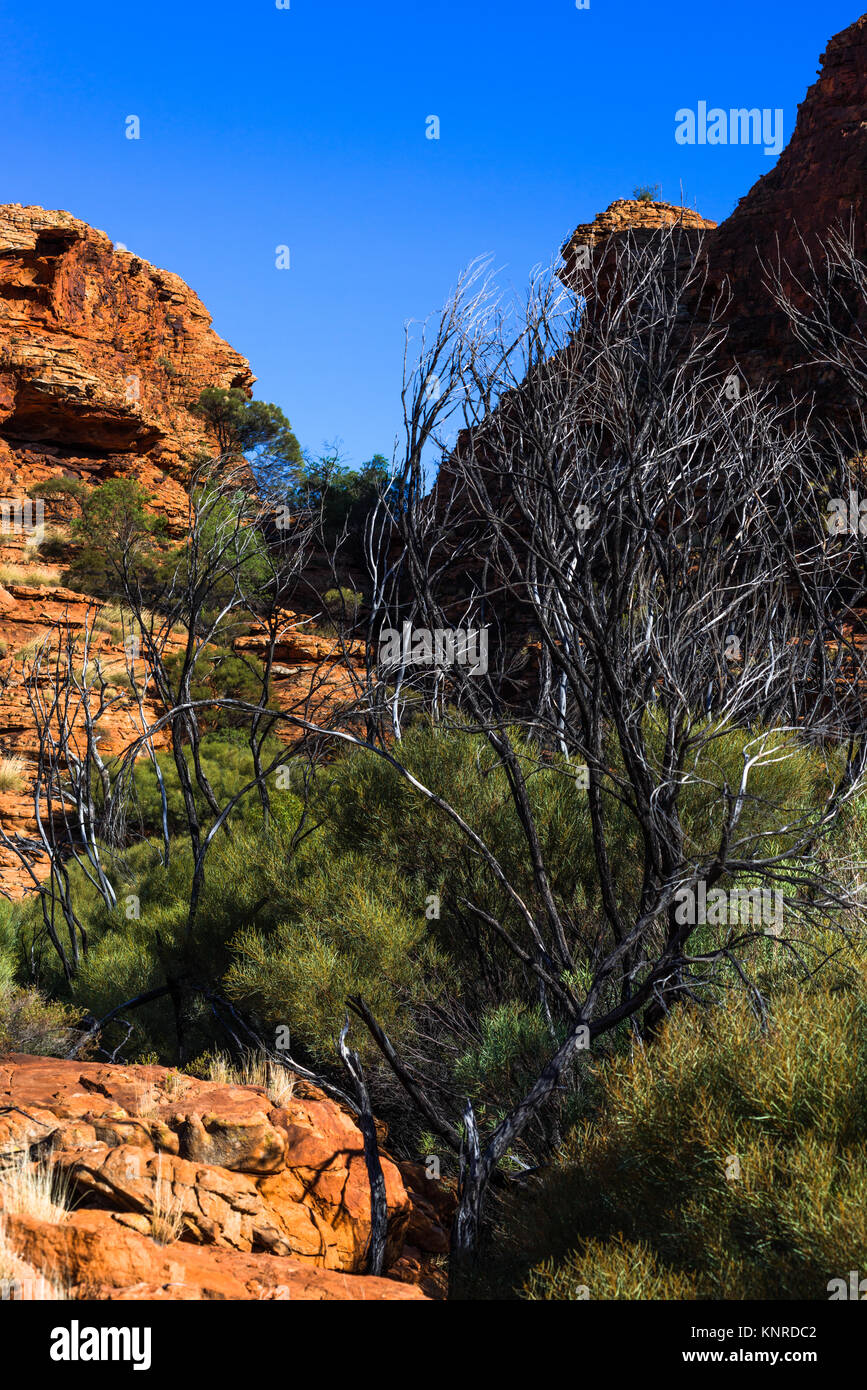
226, 761
29, 1022
723, 1162
61, 487
619, 1269
286, 931
221, 675
115, 520
343, 930
289, 926
343, 603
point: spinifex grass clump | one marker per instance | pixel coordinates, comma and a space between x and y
11, 774
34, 1189
255, 1070
41, 1193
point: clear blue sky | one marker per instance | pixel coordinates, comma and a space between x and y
306, 127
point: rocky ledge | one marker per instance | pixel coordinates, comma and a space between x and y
178, 1188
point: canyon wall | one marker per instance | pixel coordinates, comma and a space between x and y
818, 182
101, 355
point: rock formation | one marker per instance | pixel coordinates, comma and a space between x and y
101, 357
639, 217
819, 181
187, 1189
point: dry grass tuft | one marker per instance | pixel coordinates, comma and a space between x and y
12, 774
277, 1081
167, 1213
34, 1189
43, 575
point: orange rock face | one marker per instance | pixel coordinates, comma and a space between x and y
183, 1182
627, 214
101, 355
97, 1257
819, 179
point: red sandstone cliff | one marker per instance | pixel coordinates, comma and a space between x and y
820, 179
101, 355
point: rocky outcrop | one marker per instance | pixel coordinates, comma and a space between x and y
217, 1189
101, 356
92, 1256
819, 180
639, 217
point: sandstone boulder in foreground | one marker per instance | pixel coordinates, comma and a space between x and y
181, 1188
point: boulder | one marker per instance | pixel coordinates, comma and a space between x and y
175, 1159
94, 1255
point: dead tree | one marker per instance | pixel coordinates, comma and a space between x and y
627, 510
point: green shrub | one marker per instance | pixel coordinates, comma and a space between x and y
618, 1268
723, 1162
226, 761
343, 930
61, 487
289, 927
115, 520
29, 1022
343, 603
221, 675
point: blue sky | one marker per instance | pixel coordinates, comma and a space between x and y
305, 127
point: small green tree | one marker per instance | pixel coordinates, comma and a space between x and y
61, 488
115, 522
252, 428
343, 604
344, 496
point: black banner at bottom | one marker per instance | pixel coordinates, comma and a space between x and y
152, 1338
